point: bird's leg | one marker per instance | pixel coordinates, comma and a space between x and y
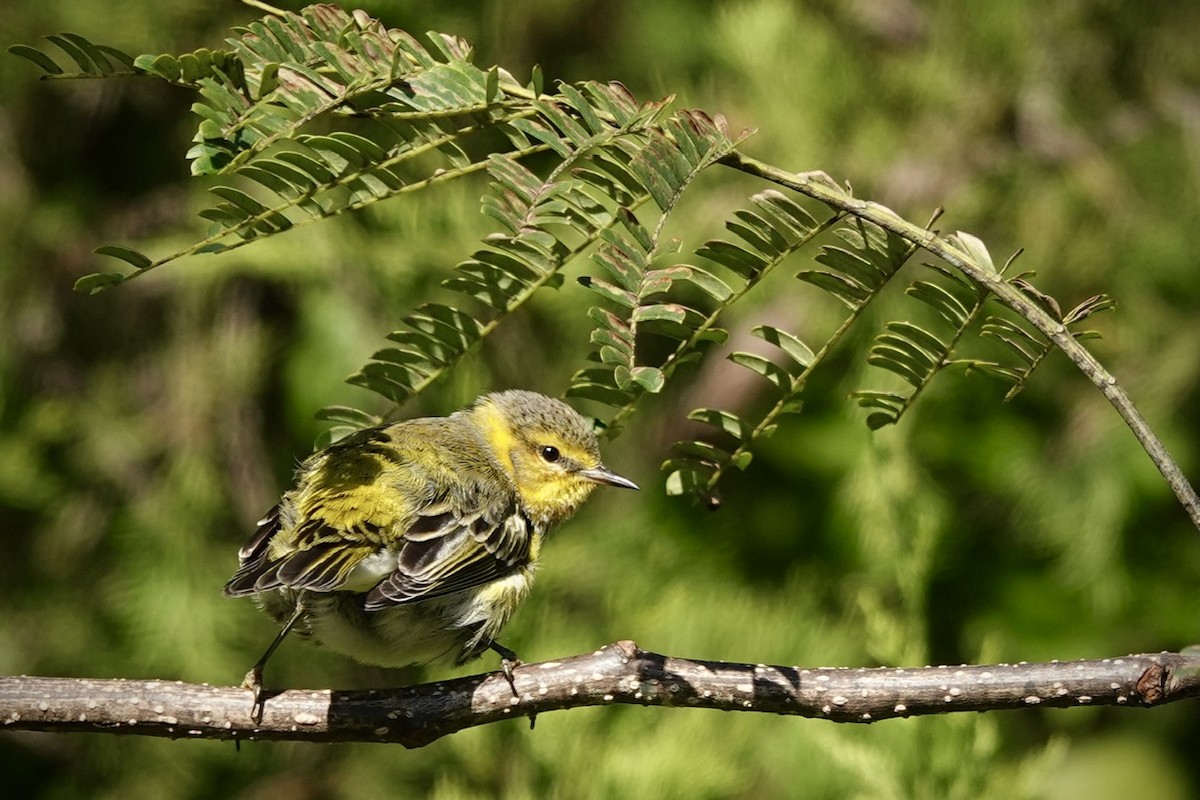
508, 660
253, 679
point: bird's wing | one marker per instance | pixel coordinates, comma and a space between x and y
337, 531
442, 552
447, 552
321, 564
253, 556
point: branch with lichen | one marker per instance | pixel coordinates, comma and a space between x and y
619, 673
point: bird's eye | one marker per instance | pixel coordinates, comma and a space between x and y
550, 454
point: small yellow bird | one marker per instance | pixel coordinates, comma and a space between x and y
414, 542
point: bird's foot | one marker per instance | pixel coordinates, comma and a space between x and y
509, 662
253, 682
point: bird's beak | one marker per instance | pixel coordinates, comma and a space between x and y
606, 476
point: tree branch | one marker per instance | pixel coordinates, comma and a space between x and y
619, 673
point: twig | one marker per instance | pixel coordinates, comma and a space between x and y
619, 673
820, 187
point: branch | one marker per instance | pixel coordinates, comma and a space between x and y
619, 673
820, 187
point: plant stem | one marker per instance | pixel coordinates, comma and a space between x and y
820, 187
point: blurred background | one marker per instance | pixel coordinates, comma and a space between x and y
144, 430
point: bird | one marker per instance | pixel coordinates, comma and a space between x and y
414, 542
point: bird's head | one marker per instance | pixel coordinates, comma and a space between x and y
548, 449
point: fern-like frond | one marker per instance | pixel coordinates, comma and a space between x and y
546, 222
90, 60
259, 98
768, 232
627, 256
416, 108
638, 273
916, 354
433, 337
1027, 347
854, 272
696, 467
346, 421
292, 67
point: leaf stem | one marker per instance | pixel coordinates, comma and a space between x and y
820, 187
266, 8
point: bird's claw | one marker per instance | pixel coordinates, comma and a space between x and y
253, 682
509, 662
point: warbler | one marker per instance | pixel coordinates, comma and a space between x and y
414, 542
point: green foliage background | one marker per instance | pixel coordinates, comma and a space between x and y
144, 430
